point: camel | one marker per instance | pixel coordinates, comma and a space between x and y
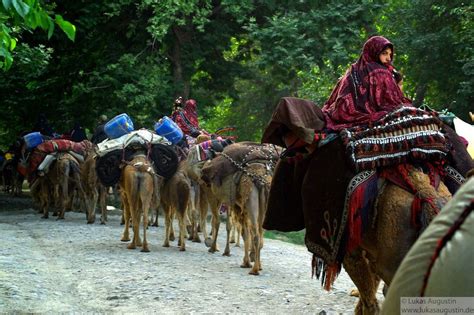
94, 190
385, 245
200, 196
246, 194
56, 185
176, 199
388, 238
137, 185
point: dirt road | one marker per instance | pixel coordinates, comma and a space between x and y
69, 266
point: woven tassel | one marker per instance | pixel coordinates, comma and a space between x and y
331, 273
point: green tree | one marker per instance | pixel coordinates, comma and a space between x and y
436, 40
17, 16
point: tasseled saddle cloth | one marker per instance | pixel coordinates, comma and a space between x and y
405, 135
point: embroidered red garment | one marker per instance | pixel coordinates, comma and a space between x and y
186, 118
366, 92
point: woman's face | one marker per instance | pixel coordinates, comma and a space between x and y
385, 56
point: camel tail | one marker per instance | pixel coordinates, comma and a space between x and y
136, 190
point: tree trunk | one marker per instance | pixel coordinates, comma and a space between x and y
182, 84
420, 93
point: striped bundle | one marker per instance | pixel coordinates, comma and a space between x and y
406, 135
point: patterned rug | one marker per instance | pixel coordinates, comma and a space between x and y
407, 135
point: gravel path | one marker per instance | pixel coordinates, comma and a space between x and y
69, 266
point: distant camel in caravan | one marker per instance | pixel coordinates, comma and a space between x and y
137, 186
175, 198
56, 186
245, 190
94, 191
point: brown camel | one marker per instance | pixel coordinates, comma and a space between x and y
137, 188
201, 198
247, 200
385, 245
56, 186
94, 190
175, 197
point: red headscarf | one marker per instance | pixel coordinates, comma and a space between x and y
366, 92
187, 117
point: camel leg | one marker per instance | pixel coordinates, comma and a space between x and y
168, 223
155, 222
103, 204
203, 210
228, 227
365, 280
136, 242
126, 218
182, 231
246, 236
238, 229
215, 228
172, 238
252, 208
145, 206
91, 202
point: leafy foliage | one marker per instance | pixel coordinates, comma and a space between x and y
19, 15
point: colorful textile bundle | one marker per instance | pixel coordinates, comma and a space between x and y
51, 146
407, 134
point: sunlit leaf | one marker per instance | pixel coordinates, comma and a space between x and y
67, 27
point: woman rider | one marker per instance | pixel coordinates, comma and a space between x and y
368, 90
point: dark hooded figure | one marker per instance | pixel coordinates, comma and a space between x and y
78, 133
99, 133
368, 90
43, 126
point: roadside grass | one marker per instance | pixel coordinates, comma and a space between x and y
289, 237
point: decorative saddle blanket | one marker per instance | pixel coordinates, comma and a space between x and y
405, 135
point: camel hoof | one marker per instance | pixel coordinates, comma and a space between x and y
145, 250
232, 241
55, 214
172, 238
208, 242
354, 292
213, 250
44, 217
166, 245
253, 272
245, 265
226, 254
196, 240
102, 223
182, 249
125, 239
131, 246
